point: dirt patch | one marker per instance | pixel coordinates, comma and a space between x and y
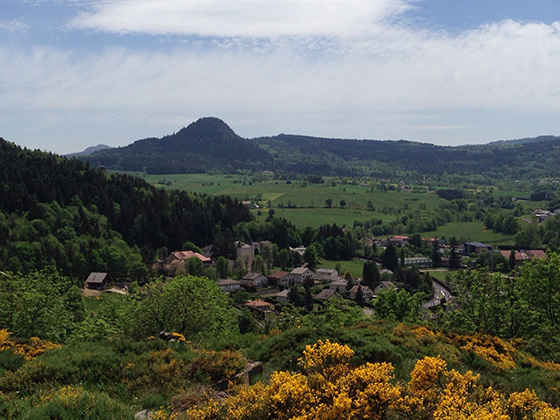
117, 290
90, 293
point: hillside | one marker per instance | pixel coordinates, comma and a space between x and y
205, 144
210, 145
61, 212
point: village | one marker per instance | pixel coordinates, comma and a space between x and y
265, 290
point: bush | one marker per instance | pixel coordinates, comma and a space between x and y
70, 403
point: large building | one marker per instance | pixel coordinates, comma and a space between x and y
524, 255
476, 248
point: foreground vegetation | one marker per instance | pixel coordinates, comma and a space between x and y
494, 353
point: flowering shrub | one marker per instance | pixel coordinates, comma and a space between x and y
29, 350
497, 352
330, 389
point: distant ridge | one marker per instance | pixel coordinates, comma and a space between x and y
210, 145
527, 140
90, 150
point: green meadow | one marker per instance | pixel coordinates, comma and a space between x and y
304, 204
470, 231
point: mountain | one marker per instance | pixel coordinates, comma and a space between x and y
210, 145
90, 150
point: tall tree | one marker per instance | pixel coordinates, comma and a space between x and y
370, 275
389, 258
512, 262
454, 259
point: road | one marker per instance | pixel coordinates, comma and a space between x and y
440, 292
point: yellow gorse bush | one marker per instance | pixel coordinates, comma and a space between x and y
494, 350
329, 388
30, 350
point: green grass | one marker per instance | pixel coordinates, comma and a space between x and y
298, 193
94, 303
305, 204
470, 231
441, 274
301, 203
319, 216
355, 266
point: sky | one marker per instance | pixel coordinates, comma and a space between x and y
76, 73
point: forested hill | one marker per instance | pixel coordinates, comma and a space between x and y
59, 211
395, 158
210, 145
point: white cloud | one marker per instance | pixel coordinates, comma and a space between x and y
13, 26
338, 76
240, 18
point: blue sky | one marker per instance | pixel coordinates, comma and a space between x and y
75, 73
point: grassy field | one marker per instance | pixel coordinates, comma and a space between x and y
441, 274
470, 231
355, 266
297, 193
301, 203
305, 204
320, 216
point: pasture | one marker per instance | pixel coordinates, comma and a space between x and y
305, 204
302, 203
470, 231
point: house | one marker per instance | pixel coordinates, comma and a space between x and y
258, 246
207, 251
367, 293
542, 215
279, 278
258, 279
97, 281
176, 260
183, 256
338, 285
300, 250
301, 275
249, 204
229, 285
326, 275
243, 250
325, 294
476, 247
260, 305
420, 262
524, 255
282, 296
384, 285
398, 240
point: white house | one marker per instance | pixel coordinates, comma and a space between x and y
300, 275
258, 279
338, 285
367, 293
282, 296
385, 285
326, 275
229, 285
